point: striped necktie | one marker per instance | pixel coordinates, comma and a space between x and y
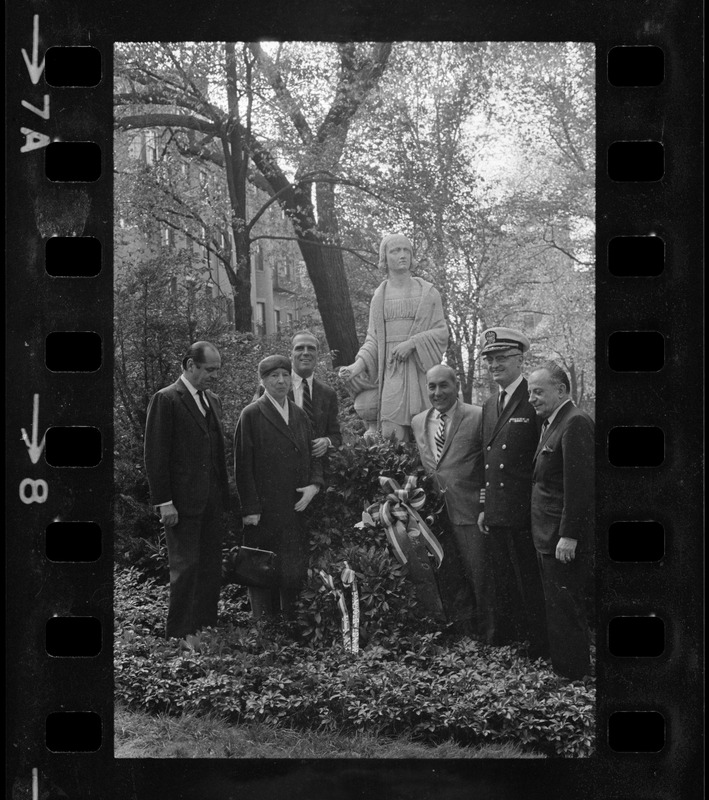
307, 400
440, 437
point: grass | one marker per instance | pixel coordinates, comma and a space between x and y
141, 735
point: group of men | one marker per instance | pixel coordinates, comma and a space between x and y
516, 475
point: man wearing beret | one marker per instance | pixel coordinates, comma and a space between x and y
186, 467
510, 431
563, 516
277, 476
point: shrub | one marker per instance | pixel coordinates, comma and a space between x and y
420, 686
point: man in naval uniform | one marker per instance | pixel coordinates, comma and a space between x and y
510, 433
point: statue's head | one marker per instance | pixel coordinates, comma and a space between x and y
396, 253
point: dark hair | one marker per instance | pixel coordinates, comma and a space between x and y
304, 333
557, 374
196, 353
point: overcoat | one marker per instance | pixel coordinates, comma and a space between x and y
272, 460
563, 482
509, 443
456, 473
177, 450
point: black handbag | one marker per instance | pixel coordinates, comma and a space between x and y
249, 566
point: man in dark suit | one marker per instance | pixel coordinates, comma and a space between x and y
449, 441
510, 436
186, 467
563, 516
317, 399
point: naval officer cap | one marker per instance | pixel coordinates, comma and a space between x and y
500, 340
268, 364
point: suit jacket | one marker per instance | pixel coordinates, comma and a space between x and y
509, 443
325, 422
177, 450
457, 472
563, 481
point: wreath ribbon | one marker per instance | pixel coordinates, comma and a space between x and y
400, 518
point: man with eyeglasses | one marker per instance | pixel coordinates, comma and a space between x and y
510, 431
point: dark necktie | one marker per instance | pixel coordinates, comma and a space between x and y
545, 425
440, 436
307, 401
203, 401
501, 403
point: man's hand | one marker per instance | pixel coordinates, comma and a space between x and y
308, 493
251, 519
481, 523
351, 371
566, 550
319, 446
403, 350
168, 515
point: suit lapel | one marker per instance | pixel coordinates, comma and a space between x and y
552, 428
190, 403
452, 430
272, 415
510, 408
215, 407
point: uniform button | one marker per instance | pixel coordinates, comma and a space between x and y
489, 448
488, 483
502, 466
502, 484
487, 466
504, 447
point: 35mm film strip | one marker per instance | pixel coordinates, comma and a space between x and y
59, 369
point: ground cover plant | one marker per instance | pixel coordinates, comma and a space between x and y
414, 680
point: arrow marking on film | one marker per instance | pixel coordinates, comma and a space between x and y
35, 70
34, 448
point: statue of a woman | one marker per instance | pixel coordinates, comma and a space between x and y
407, 335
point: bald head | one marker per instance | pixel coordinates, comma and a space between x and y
442, 387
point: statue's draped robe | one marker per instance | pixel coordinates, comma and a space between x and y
402, 385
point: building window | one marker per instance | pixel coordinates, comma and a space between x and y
277, 319
289, 318
151, 147
260, 319
168, 237
230, 311
205, 248
259, 259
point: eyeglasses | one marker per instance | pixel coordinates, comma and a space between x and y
499, 359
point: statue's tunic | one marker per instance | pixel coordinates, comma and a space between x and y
402, 385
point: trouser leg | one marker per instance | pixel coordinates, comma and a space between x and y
532, 613
504, 624
264, 602
566, 614
209, 577
183, 549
